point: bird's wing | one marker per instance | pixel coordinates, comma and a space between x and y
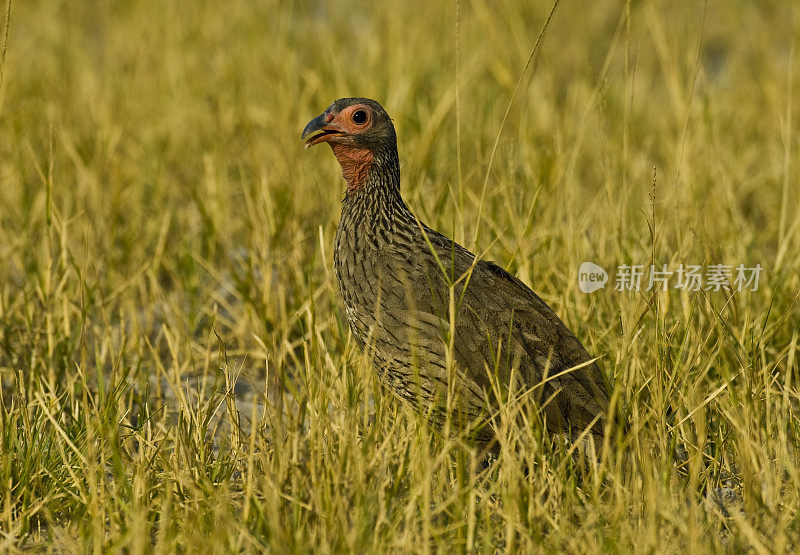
497, 311
550, 346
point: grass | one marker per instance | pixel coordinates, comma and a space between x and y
176, 370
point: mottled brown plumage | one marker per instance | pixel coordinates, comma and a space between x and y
395, 275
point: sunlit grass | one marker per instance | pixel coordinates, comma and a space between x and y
176, 369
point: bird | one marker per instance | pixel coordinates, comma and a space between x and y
453, 335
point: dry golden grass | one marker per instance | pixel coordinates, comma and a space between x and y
176, 372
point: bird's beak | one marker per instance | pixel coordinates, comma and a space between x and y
319, 130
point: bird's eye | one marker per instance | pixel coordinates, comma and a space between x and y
360, 116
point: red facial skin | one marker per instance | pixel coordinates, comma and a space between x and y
355, 160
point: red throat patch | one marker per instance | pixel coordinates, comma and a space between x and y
356, 163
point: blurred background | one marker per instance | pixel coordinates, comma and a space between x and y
156, 136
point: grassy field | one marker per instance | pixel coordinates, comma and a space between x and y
176, 370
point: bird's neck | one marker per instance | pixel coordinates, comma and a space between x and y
356, 163
376, 205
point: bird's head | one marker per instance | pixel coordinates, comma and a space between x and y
360, 133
